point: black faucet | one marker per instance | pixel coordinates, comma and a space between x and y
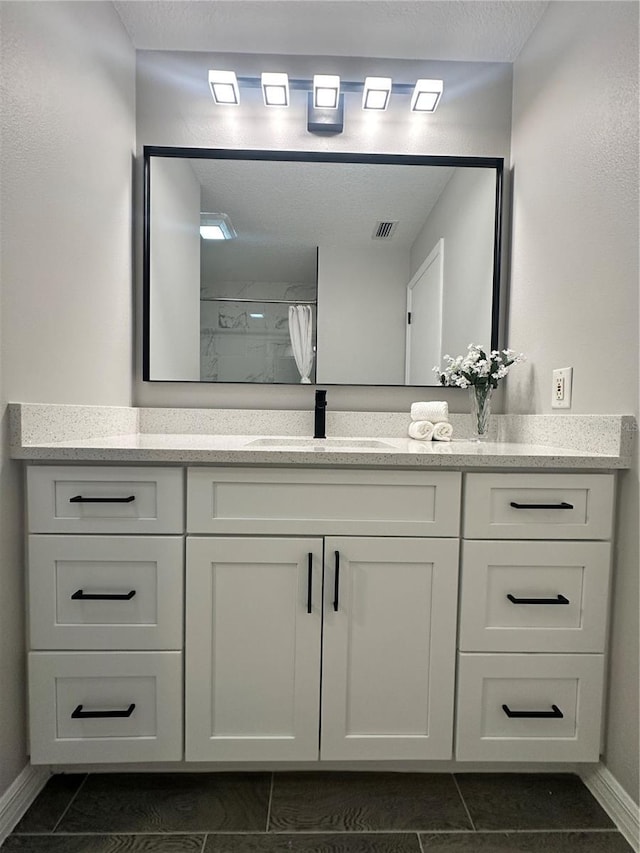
319, 419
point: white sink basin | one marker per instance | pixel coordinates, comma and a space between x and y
322, 443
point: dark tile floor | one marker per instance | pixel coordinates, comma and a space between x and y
325, 812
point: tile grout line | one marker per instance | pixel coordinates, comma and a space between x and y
70, 803
464, 803
320, 832
270, 800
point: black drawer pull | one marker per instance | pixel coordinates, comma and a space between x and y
79, 714
554, 714
309, 583
336, 582
561, 505
81, 595
78, 499
559, 599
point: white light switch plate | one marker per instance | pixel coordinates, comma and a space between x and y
561, 388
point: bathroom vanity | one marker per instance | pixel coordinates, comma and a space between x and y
329, 610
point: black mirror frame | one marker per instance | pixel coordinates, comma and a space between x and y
150, 151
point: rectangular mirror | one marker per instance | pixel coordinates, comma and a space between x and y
329, 268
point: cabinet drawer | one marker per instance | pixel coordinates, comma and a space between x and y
105, 592
105, 706
323, 502
556, 699
534, 596
538, 506
104, 500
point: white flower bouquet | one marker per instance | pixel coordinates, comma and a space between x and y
480, 373
477, 368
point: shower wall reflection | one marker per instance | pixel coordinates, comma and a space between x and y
248, 341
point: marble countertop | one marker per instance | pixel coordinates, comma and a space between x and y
297, 450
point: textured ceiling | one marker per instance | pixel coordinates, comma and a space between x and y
315, 203
462, 30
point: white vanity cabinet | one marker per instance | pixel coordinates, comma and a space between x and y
322, 614
533, 616
281, 645
105, 613
330, 647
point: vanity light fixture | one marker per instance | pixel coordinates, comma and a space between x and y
325, 105
216, 226
325, 94
426, 96
275, 89
224, 87
376, 93
326, 91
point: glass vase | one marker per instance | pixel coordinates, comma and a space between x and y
480, 411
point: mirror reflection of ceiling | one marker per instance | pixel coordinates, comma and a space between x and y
320, 202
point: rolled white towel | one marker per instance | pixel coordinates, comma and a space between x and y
442, 432
435, 411
422, 430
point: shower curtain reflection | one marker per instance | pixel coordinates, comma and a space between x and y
301, 333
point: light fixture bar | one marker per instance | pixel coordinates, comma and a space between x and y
300, 84
426, 96
376, 93
275, 89
326, 91
224, 87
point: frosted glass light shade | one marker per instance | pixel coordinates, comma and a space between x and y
376, 93
426, 96
275, 89
326, 89
224, 87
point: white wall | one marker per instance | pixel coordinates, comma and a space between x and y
362, 303
174, 107
574, 285
175, 270
464, 216
67, 125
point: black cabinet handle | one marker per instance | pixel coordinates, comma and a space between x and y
336, 582
561, 505
79, 714
78, 499
309, 582
559, 599
81, 595
554, 714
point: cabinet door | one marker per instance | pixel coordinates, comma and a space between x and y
252, 648
389, 648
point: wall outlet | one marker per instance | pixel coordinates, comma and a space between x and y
561, 390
